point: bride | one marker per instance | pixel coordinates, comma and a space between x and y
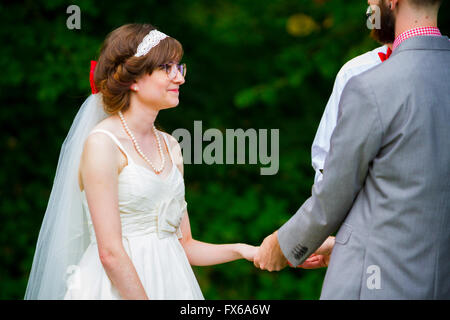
116, 225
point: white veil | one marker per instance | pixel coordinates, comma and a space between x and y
64, 236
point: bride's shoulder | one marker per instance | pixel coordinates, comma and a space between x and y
109, 124
100, 153
100, 148
102, 142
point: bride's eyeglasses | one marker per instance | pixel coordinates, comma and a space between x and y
172, 69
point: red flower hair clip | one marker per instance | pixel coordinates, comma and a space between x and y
91, 77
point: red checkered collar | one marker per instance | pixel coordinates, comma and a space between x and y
421, 31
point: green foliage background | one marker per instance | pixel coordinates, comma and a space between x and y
251, 64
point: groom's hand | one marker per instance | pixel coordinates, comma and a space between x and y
269, 256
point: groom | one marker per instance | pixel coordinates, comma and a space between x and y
385, 183
385, 35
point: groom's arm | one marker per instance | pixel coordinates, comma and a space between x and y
355, 142
321, 143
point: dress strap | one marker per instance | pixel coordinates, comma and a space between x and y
168, 146
116, 141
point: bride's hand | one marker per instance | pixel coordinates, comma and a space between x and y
321, 257
247, 251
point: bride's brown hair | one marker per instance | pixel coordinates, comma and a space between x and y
117, 68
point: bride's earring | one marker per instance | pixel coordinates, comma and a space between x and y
135, 88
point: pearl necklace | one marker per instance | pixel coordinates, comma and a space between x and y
138, 149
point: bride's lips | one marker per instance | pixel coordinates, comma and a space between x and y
174, 90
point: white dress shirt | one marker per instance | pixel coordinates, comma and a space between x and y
321, 144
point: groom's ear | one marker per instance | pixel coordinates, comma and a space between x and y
393, 4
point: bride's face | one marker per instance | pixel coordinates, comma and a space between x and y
158, 90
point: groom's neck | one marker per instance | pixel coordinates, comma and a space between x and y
409, 16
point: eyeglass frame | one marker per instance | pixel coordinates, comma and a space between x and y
179, 67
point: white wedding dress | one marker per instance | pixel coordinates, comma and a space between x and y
151, 209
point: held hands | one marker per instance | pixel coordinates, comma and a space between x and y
246, 251
321, 257
269, 256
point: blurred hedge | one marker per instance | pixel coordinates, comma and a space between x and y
251, 64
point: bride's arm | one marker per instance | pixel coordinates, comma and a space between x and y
206, 254
202, 253
99, 173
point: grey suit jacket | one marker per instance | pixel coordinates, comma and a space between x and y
386, 182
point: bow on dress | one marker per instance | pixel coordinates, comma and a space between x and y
170, 214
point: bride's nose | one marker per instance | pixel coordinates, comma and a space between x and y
179, 79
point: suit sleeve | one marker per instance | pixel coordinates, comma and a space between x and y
321, 143
355, 142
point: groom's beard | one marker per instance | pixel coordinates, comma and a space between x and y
386, 33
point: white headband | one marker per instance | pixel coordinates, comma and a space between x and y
150, 40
